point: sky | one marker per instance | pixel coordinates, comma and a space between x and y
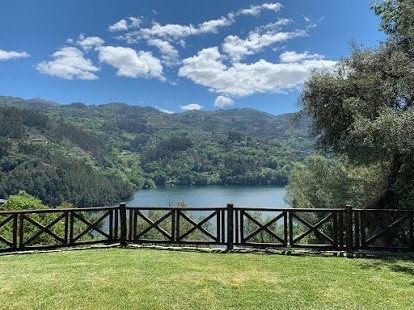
176, 55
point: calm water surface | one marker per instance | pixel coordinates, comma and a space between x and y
211, 196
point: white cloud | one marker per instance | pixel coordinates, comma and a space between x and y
69, 63
182, 43
176, 32
169, 55
207, 69
119, 26
192, 106
168, 31
212, 26
272, 6
253, 10
131, 63
276, 25
125, 24
237, 48
312, 23
6, 55
165, 110
223, 101
257, 9
134, 22
292, 56
206, 65
87, 43
130, 37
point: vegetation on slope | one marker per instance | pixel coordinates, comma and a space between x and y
92, 155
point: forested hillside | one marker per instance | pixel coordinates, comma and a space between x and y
90, 155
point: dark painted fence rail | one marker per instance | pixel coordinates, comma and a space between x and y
343, 229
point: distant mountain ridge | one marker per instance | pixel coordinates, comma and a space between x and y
126, 148
246, 120
30, 104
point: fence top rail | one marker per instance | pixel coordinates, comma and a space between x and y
385, 210
317, 209
8, 212
174, 209
51, 210
262, 209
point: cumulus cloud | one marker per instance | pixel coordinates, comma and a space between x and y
206, 65
238, 48
168, 31
224, 74
207, 69
6, 55
212, 26
169, 55
223, 101
131, 63
256, 9
292, 56
130, 37
69, 63
121, 25
192, 106
87, 43
125, 24
177, 32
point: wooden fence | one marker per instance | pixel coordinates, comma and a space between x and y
52, 228
342, 229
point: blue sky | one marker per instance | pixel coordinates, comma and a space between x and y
176, 55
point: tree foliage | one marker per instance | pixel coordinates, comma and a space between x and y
365, 108
397, 20
36, 157
320, 182
23, 201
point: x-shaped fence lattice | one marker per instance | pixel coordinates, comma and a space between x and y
175, 226
385, 229
247, 236
325, 238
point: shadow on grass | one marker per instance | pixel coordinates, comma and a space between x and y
394, 264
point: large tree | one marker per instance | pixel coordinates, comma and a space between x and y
365, 108
397, 20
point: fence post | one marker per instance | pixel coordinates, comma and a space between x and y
230, 232
15, 229
348, 228
123, 220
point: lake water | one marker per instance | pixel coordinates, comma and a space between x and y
211, 196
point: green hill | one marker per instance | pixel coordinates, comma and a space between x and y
91, 155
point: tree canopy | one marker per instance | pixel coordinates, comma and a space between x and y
364, 110
397, 20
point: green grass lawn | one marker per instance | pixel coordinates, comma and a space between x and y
154, 279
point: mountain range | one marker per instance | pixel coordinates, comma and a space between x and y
93, 155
